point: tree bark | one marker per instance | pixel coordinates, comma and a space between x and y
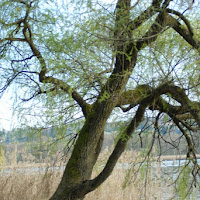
88, 145
76, 183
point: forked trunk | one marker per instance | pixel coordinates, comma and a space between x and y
85, 153
73, 185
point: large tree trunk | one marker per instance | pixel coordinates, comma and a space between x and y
88, 145
84, 155
89, 142
75, 184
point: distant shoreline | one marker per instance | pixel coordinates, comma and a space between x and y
50, 166
173, 157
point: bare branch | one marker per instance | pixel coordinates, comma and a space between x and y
181, 16
22, 60
42, 75
90, 185
191, 149
179, 95
38, 93
13, 23
12, 39
135, 97
23, 2
145, 15
186, 34
151, 35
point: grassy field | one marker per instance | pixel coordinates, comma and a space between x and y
30, 180
124, 184
20, 186
20, 178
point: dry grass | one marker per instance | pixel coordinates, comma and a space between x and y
112, 189
19, 184
24, 186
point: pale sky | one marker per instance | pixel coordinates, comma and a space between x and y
5, 112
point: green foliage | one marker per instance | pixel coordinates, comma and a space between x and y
121, 133
183, 183
140, 170
104, 97
76, 44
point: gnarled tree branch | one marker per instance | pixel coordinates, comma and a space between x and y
135, 97
91, 185
186, 34
181, 16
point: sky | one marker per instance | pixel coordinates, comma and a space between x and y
5, 112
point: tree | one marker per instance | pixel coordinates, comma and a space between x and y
108, 58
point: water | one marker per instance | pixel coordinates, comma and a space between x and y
170, 170
175, 163
166, 170
31, 170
